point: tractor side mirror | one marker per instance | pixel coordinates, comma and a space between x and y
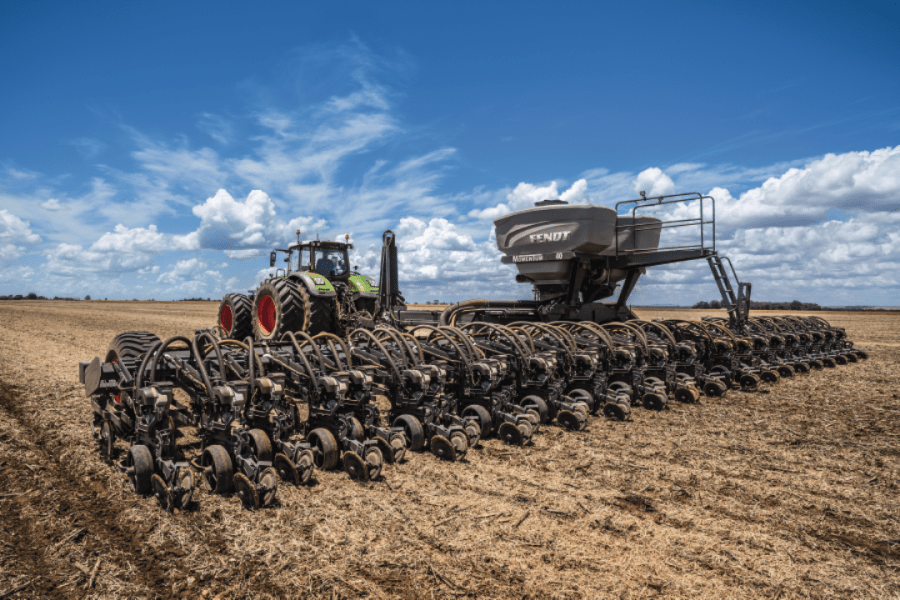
272, 259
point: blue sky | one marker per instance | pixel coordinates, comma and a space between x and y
121, 123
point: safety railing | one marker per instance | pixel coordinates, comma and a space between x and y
707, 217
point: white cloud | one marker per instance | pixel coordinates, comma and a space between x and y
190, 269
15, 230
525, 195
125, 240
654, 182
52, 204
244, 228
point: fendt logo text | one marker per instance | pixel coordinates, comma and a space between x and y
556, 236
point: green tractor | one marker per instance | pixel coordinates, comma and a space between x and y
315, 292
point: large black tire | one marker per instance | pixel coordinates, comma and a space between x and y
130, 344
321, 315
280, 306
236, 316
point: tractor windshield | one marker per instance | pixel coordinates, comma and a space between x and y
331, 263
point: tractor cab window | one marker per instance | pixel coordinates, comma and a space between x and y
300, 260
331, 263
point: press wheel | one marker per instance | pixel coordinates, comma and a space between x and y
268, 483
460, 443
139, 468
510, 434
615, 411
374, 463
218, 472
183, 490
246, 492
570, 420
654, 401
473, 433
107, 439
324, 448
539, 405
286, 469
443, 448
162, 493
355, 466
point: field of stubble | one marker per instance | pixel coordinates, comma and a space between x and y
789, 492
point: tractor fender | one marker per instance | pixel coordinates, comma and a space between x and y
315, 284
362, 286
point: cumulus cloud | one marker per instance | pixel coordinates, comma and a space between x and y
15, 230
654, 182
192, 268
242, 228
526, 194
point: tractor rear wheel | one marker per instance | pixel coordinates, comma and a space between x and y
279, 306
321, 315
236, 316
130, 344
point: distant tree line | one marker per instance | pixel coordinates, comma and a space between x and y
754, 305
33, 296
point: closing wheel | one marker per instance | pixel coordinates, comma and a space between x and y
183, 489
268, 486
398, 445
107, 440
286, 469
816, 365
714, 389
139, 468
534, 417
852, 357
387, 451
218, 471
572, 421
460, 443
443, 448
829, 362
473, 432
356, 429
162, 493
412, 429
654, 401
686, 395
260, 445
374, 463
355, 466
749, 382
539, 405
770, 376
581, 395
525, 430
840, 359
246, 492
324, 448
786, 371
620, 387
484, 418
862, 354
615, 411
510, 434
801, 367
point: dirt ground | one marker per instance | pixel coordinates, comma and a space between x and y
789, 492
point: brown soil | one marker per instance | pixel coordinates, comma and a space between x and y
791, 492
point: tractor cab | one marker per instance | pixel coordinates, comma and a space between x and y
326, 258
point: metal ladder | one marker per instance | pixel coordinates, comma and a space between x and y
738, 306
